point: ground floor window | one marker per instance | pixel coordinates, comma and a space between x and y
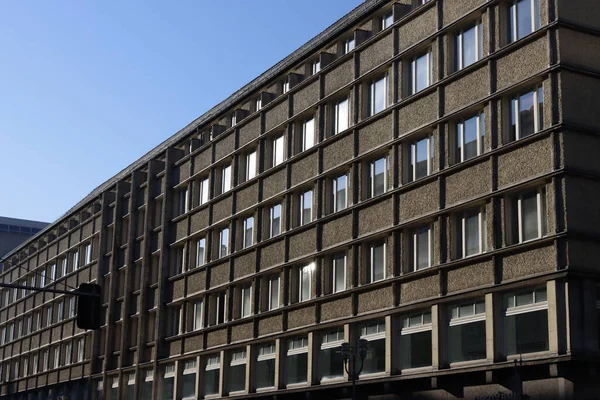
265, 366
374, 333
331, 361
212, 374
526, 322
296, 362
237, 371
415, 341
466, 333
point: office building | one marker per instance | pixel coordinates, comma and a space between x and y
422, 175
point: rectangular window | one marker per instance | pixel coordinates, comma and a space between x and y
226, 179
422, 245
315, 67
258, 103
34, 365
224, 242
421, 158
274, 220
175, 320
387, 20
246, 301
181, 204
526, 114
197, 322
374, 333
278, 151
415, 341
296, 362
421, 72
466, 332
306, 207
203, 191
52, 274
42, 283
339, 193
530, 214
45, 358
50, 312
285, 87
88, 253
338, 273
56, 358
377, 177
265, 366
221, 307
376, 262
469, 46
378, 96
308, 134
274, 292
341, 117
212, 375
523, 18
526, 322
72, 306
349, 45
200, 252
331, 360
248, 232
60, 312
237, 372
80, 350
471, 232
469, 138
251, 165
188, 384
304, 280
167, 383
178, 260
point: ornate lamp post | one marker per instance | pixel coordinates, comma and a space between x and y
352, 354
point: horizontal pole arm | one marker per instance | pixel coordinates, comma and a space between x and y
36, 289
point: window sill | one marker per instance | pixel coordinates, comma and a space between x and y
296, 385
373, 375
418, 370
237, 393
265, 389
333, 380
470, 363
529, 356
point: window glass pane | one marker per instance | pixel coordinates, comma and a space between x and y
415, 350
331, 364
540, 295
168, 387
237, 378
466, 310
340, 194
341, 122
422, 72
246, 302
466, 342
339, 279
375, 359
378, 95
379, 176
524, 298
211, 381
378, 259
525, 22
274, 300
226, 178
278, 151
309, 134
224, 242
471, 233
265, 373
469, 47
188, 386
470, 127
526, 333
251, 166
200, 257
307, 207
276, 220
421, 152
296, 367
422, 237
529, 214
248, 230
526, 115
305, 283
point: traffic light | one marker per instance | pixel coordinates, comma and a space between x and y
89, 306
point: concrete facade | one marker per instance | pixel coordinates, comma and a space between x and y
14, 231
511, 230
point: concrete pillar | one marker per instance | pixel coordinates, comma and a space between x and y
311, 366
249, 380
557, 319
222, 373
278, 365
389, 334
177, 380
442, 336
435, 336
199, 374
347, 340
493, 334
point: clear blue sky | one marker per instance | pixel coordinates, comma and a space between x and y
87, 87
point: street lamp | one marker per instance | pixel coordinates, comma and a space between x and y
351, 354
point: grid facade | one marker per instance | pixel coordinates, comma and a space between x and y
419, 175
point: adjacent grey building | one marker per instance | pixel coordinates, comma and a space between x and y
423, 175
14, 231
